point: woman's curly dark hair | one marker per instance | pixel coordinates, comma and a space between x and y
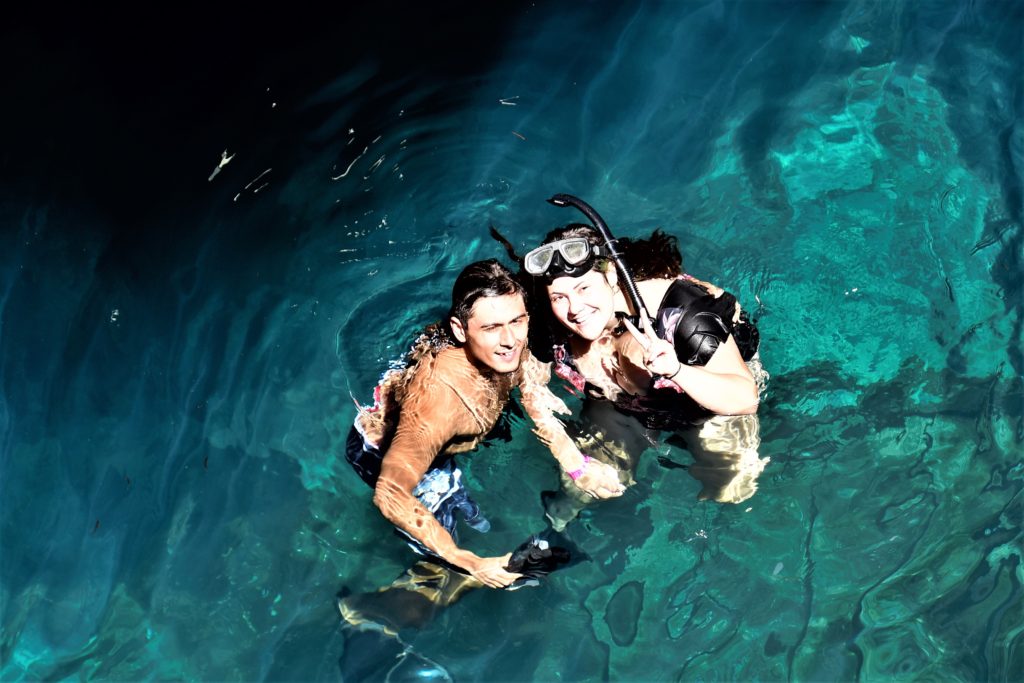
654, 258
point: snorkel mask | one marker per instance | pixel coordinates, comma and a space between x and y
570, 257
574, 256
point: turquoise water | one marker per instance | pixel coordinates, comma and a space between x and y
179, 358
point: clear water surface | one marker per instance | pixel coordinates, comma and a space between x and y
174, 399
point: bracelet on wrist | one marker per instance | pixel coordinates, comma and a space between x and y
578, 472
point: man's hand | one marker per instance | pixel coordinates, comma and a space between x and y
490, 571
715, 291
600, 480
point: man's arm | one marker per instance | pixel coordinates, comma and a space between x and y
430, 419
597, 479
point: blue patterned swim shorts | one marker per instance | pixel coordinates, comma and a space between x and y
441, 490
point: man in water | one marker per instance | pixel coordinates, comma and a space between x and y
449, 395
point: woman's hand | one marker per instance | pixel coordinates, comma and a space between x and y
659, 355
600, 480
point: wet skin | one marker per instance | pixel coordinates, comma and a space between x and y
495, 334
584, 305
452, 400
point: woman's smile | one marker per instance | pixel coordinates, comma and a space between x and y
585, 305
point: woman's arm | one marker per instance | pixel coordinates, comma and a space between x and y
596, 478
724, 385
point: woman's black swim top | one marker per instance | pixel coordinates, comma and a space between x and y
696, 323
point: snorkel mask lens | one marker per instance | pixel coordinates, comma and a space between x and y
575, 251
538, 260
572, 252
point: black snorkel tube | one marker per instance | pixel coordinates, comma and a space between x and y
609, 241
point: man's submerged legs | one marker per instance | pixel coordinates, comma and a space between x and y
373, 621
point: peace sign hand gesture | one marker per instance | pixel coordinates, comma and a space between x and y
659, 355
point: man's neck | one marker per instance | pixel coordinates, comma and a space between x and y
484, 371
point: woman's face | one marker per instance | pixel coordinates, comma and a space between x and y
585, 305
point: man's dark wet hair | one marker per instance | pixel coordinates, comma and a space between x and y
478, 280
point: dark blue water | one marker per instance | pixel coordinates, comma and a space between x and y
179, 352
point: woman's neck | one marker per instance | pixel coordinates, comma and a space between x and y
581, 347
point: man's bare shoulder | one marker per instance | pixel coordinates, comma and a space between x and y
531, 370
445, 372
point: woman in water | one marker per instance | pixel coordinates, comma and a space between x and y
703, 385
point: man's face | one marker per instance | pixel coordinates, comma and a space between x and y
495, 334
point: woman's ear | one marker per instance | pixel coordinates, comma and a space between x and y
612, 276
